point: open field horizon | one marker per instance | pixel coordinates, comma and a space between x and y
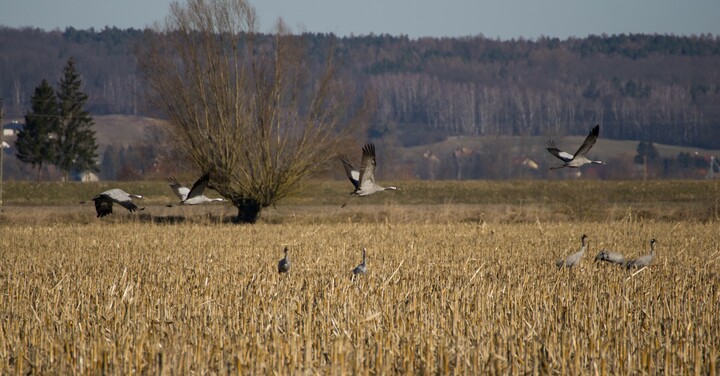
417, 201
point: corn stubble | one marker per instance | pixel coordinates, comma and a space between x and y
122, 298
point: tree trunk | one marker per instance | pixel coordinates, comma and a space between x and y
248, 210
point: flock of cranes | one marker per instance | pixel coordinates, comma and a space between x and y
609, 257
188, 196
363, 180
364, 183
569, 262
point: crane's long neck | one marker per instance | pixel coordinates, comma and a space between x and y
652, 247
363, 257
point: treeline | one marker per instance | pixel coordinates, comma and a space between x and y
637, 87
105, 59
658, 88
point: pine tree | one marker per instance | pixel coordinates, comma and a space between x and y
646, 152
76, 145
35, 144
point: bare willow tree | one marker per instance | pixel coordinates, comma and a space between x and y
254, 110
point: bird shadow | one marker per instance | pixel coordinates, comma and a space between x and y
178, 219
161, 219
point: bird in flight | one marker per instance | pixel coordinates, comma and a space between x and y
195, 195
104, 201
363, 180
578, 159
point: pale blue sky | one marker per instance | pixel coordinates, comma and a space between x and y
416, 18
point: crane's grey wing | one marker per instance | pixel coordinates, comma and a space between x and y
589, 141
574, 259
179, 190
367, 167
350, 171
116, 194
199, 186
129, 205
563, 156
611, 257
360, 269
103, 205
644, 260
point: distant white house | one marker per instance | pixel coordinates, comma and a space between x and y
84, 177
12, 128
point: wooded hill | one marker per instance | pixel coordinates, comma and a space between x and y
659, 88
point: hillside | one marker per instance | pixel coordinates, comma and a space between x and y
124, 130
136, 147
409, 162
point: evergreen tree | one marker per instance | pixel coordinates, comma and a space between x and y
76, 145
35, 142
646, 152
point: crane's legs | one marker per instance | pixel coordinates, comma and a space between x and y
348, 201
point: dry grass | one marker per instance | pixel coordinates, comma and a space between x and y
417, 202
125, 296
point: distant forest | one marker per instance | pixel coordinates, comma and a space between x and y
657, 88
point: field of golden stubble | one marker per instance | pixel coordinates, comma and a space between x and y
439, 298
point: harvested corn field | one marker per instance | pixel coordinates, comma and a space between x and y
470, 298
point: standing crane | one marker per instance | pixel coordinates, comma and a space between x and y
573, 259
363, 180
645, 260
195, 195
362, 267
284, 263
578, 159
104, 201
611, 257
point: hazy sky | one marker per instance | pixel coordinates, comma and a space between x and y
415, 18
